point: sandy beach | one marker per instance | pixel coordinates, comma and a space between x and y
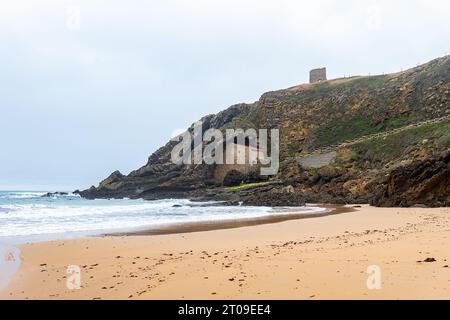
319, 258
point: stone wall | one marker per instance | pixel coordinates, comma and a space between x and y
221, 170
318, 75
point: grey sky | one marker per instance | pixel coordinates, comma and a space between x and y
82, 96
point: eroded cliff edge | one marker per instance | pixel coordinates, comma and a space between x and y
404, 168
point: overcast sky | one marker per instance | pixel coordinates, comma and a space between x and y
89, 87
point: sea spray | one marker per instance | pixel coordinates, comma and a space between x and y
29, 217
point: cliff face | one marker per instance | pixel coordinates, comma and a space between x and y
314, 116
424, 182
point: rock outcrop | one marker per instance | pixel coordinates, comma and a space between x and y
421, 183
54, 194
313, 116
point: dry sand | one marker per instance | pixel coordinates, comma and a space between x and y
318, 258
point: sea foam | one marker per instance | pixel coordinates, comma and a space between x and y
32, 217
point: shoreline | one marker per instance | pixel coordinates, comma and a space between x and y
202, 226
296, 259
186, 227
280, 214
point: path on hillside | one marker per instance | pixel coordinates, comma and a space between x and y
323, 156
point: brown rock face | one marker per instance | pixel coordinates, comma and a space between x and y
233, 178
424, 182
320, 115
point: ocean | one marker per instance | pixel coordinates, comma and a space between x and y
30, 217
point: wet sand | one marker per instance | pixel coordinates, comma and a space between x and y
190, 227
319, 258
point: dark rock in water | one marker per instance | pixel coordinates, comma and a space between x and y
214, 204
429, 260
266, 195
177, 206
286, 200
76, 192
54, 194
273, 196
421, 182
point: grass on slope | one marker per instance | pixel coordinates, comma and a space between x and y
245, 186
434, 137
349, 128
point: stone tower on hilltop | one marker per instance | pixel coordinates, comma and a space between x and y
318, 75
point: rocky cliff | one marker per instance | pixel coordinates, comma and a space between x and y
425, 183
402, 168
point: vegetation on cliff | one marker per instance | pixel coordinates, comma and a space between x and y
309, 117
